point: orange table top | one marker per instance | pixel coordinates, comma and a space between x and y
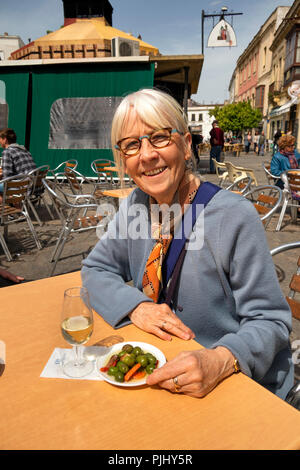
43, 413
118, 193
110, 168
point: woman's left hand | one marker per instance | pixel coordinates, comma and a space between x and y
196, 372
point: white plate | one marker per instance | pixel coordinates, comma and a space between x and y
116, 348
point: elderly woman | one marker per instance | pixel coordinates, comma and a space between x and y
287, 158
227, 296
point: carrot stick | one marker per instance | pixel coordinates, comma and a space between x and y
131, 371
139, 374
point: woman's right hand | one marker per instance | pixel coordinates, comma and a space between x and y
159, 320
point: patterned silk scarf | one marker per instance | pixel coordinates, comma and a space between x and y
292, 159
162, 226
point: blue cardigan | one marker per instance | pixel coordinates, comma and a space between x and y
280, 163
228, 292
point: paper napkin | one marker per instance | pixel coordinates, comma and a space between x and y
53, 368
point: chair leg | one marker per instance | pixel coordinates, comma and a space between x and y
284, 206
31, 227
53, 257
294, 212
35, 213
5, 248
48, 208
63, 237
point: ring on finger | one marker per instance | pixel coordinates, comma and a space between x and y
176, 385
163, 324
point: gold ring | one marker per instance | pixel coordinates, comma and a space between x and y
163, 324
176, 385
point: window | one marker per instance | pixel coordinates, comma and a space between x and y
200, 117
254, 63
265, 57
259, 98
82, 123
193, 117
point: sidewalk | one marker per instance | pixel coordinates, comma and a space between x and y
33, 264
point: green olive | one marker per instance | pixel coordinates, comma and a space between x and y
129, 360
119, 376
150, 368
151, 359
128, 348
142, 359
137, 351
121, 353
112, 370
122, 367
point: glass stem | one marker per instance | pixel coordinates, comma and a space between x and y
76, 355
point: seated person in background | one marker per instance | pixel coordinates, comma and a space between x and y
241, 323
15, 158
287, 158
9, 279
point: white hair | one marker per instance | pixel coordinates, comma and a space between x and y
155, 108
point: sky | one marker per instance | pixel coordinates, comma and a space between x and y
173, 26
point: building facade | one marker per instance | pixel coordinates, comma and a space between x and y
8, 44
199, 120
254, 68
284, 108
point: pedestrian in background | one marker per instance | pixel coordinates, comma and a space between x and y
255, 141
261, 144
217, 144
248, 140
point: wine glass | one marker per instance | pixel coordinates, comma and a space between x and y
77, 327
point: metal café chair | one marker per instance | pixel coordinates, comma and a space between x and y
37, 194
13, 209
105, 177
241, 186
291, 195
78, 214
293, 299
59, 171
267, 200
271, 179
67, 164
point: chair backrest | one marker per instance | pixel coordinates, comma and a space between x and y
293, 179
99, 165
266, 199
237, 172
67, 164
37, 176
74, 179
241, 186
293, 297
15, 190
221, 171
271, 179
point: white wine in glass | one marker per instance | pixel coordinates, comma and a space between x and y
77, 328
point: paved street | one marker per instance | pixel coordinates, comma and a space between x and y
34, 264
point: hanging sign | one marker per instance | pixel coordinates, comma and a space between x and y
222, 35
294, 91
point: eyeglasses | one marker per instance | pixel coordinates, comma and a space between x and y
160, 138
